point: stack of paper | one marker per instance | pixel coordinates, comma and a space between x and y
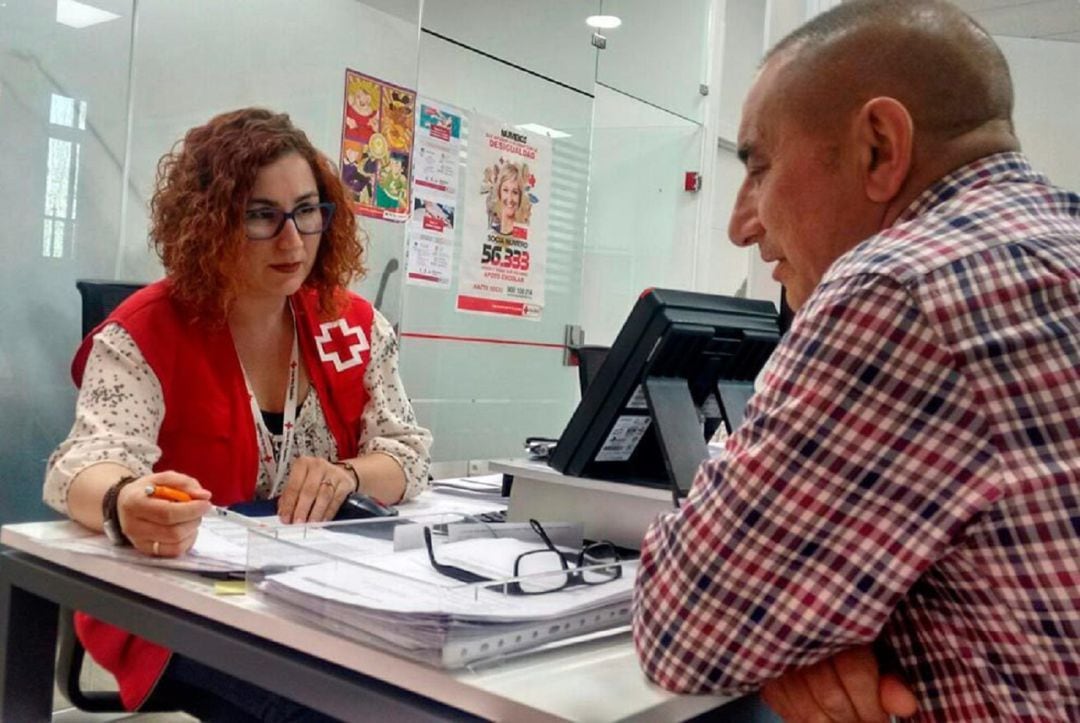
399, 600
221, 546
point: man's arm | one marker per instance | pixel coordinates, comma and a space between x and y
858, 462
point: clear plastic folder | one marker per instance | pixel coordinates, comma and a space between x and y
388, 583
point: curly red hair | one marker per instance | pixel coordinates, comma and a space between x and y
197, 210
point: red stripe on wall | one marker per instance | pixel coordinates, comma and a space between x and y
478, 340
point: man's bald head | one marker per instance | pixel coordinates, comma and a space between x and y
927, 54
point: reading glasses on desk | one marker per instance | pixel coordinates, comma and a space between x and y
545, 570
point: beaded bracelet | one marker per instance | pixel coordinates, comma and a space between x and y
353, 472
110, 512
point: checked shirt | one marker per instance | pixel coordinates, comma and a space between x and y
909, 469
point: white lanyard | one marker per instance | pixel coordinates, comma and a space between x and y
275, 467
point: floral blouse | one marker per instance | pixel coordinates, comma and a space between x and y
120, 409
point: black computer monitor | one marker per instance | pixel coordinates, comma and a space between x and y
682, 364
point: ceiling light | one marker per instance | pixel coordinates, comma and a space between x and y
80, 15
603, 22
543, 130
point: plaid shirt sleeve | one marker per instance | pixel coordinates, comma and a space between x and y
860, 461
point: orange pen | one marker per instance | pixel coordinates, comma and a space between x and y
172, 494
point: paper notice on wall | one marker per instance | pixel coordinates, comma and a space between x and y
429, 261
504, 239
376, 145
438, 145
429, 250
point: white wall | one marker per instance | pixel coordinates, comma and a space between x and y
1046, 77
746, 24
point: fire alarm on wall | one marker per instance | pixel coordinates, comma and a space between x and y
692, 182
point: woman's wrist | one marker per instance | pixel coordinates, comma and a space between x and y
110, 512
351, 470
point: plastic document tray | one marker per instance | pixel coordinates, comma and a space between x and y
373, 581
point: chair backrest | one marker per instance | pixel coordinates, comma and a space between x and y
99, 298
590, 357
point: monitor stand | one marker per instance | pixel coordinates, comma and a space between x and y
678, 430
733, 399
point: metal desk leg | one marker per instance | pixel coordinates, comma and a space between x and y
27, 651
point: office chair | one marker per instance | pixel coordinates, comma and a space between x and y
69, 660
99, 298
589, 359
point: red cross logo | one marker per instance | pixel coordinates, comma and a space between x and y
341, 344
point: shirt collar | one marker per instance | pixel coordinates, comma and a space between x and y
1009, 166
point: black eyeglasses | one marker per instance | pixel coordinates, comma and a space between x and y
266, 222
547, 570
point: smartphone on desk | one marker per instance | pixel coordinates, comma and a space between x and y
356, 506
255, 508
359, 506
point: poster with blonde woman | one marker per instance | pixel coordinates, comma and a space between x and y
504, 243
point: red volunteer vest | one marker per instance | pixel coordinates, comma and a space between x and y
208, 431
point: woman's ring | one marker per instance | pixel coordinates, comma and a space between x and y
325, 481
155, 548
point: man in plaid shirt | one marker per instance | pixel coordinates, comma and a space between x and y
910, 467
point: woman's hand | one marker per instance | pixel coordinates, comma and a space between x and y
161, 527
314, 491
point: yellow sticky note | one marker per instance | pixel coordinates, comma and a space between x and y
230, 587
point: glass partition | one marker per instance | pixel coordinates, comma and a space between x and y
548, 39
63, 124
93, 93
642, 222
659, 54
485, 381
648, 134
201, 57
628, 120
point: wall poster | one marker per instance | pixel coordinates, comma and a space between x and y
376, 146
504, 244
429, 251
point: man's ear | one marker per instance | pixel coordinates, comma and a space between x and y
885, 132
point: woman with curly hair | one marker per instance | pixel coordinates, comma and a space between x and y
248, 372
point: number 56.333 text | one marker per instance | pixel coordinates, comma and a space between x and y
504, 257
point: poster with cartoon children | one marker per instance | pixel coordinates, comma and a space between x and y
376, 146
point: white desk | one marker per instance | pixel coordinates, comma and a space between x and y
593, 681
